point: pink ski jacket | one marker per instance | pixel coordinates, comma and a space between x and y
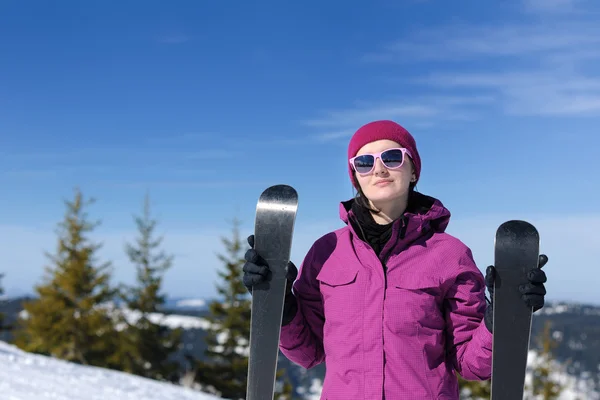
393, 330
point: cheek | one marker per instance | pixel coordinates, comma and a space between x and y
408, 171
403, 174
362, 180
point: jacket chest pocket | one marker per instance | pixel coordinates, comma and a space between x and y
340, 290
415, 298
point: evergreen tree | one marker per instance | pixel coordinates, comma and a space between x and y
146, 344
68, 319
543, 387
2, 327
225, 370
474, 390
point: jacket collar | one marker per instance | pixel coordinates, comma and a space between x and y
423, 216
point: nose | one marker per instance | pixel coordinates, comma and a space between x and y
379, 168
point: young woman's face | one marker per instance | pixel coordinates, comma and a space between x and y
384, 184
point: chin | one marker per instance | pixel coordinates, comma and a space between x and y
384, 198
385, 195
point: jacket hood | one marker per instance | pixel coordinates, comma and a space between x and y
423, 215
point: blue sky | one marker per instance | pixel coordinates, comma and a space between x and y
205, 104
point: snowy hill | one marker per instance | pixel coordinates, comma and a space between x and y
27, 376
575, 326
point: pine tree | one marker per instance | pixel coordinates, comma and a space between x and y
543, 387
474, 390
2, 327
68, 319
147, 345
284, 389
225, 370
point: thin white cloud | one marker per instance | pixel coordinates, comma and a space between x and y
207, 154
110, 154
189, 138
469, 42
360, 114
422, 111
540, 66
30, 173
552, 6
100, 163
176, 38
333, 135
103, 175
203, 183
529, 93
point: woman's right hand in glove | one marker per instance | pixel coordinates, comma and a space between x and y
256, 269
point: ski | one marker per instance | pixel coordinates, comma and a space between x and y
273, 231
516, 253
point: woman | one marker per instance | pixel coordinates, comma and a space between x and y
390, 302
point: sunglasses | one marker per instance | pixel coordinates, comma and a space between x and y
391, 159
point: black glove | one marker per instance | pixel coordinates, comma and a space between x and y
532, 292
256, 271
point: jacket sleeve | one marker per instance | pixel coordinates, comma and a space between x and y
469, 341
301, 341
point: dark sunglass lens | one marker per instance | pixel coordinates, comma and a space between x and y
392, 158
363, 164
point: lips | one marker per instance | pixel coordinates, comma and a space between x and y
383, 182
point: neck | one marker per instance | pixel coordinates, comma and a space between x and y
389, 211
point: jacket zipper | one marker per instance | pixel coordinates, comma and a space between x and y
385, 281
382, 329
384, 261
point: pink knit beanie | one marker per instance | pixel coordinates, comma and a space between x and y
379, 130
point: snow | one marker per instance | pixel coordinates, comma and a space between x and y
171, 320
554, 309
561, 308
26, 376
573, 388
192, 303
314, 391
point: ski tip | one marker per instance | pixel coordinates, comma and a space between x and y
516, 226
279, 191
279, 197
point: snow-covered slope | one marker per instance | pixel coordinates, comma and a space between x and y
25, 376
573, 388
